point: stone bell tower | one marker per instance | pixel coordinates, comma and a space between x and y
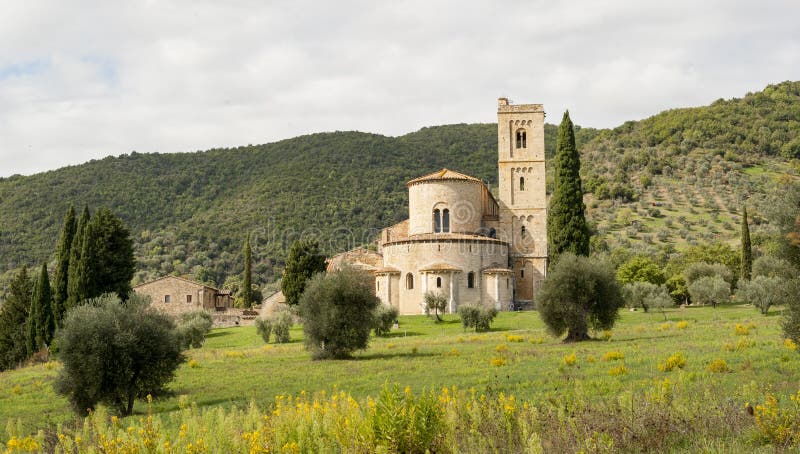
522, 197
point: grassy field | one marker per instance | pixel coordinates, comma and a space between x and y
516, 358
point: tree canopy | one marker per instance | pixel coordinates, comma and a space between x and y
338, 311
114, 352
304, 261
579, 293
566, 223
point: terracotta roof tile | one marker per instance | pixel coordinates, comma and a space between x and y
443, 174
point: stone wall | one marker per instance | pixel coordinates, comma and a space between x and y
413, 256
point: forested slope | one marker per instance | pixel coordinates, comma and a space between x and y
189, 213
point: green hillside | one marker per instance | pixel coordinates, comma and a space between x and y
655, 185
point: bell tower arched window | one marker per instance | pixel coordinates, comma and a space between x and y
437, 221
446, 221
522, 139
521, 183
471, 280
410, 281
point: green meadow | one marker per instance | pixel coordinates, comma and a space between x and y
733, 356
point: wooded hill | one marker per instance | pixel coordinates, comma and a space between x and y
655, 185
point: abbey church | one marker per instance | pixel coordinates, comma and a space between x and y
461, 240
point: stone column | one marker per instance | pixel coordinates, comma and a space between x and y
452, 303
424, 278
497, 304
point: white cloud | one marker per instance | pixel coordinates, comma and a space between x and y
83, 80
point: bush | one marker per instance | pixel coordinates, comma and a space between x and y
338, 313
193, 328
385, 317
264, 329
113, 353
281, 324
580, 293
675, 361
476, 316
710, 290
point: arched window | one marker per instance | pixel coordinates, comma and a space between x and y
437, 221
521, 183
523, 232
410, 281
522, 273
522, 139
438, 282
378, 285
506, 282
446, 221
492, 233
471, 280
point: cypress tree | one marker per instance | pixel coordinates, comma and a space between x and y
74, 291
31, 345
112, 265
40, 325
304, 261
13, 319
247, 279
82, 281
747, 250
62, 265
566, 224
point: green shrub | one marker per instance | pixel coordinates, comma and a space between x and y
114, 352
405, 423
264, 328
281, 323
476, 316
337, 310
385, 317
193, 328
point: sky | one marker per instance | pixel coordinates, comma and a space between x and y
82, 80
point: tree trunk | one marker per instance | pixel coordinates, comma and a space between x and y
578, 333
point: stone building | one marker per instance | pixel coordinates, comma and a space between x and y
461, 240
175, 295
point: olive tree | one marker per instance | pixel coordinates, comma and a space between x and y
764, 292
711, 290
338, 312
435, 303
647, 296
791, 315
115, 352
579, 293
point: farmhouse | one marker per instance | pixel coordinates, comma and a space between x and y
463, 241
176, 295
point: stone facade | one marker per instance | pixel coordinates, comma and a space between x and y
459, 239
175, 296
523, 201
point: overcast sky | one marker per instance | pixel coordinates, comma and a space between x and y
87, 79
